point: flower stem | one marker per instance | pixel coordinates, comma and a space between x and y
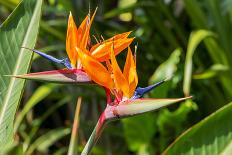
95, 135
72, 150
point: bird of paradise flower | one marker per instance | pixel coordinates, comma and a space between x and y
85, 60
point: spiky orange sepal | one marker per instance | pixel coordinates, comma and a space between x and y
130, 73
120, 81
101, 50
97, 72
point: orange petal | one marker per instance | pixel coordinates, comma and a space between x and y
116, 37
119, 36
85, 37
97, 72
101, 53
81, 31
130, 73
71, 40
119, 79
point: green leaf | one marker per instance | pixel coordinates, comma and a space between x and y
218, 49
9, 3
39, 94
61, 151
166, 70
36, 123
213, 136
139, 106
14, 149
46, 140
132, 126
59, 76
20, 29
174, 121
194, 40
226, 6
213, 71
52, 31
196, 13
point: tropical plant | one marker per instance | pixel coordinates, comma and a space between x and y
186, 41
83, 64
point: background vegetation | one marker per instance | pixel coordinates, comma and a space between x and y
187, 39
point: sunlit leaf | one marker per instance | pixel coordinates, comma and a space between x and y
14, 149
194, 40
20, 29
211, 136
213, 71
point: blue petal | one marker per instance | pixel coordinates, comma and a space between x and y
64, 61
139, 92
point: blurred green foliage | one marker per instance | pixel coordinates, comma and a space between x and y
162, 29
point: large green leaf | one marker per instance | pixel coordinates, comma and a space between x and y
211, 136
15, 149
20, 29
